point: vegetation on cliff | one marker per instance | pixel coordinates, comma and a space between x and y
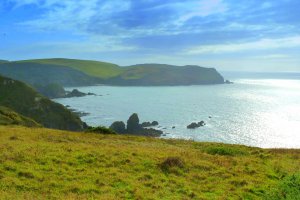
24, 100
9, 117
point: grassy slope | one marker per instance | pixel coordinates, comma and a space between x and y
49, 164
3, 61
148, 74
93, 68
9, 117
25, 100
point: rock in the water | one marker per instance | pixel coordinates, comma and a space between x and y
173, 127
118, 127
228, 82
90, 93
134, 128
196, 125
133, 123
154, 123
149, 132
75, 93
146, 124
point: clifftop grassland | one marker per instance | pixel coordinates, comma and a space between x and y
38, 163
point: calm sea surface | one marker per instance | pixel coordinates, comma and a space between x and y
260, 110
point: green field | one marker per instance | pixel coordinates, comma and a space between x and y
38, 163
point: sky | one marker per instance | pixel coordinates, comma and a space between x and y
230, 35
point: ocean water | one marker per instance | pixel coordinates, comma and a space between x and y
257, 110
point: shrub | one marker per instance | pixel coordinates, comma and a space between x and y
100, 129
225, 151
118, 127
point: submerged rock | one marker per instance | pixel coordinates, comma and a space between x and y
228, 82
196, 125
154, 123
146, 124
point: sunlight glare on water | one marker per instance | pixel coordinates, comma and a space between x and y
255, 112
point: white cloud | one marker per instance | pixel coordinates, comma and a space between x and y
263, 44
202, 8
273, 56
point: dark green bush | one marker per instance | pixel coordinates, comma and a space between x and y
225, 151
100, 129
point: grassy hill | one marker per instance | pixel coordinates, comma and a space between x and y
160, 74
45, 74
98, 69
51, 164
3, 61
71, 72
24, 100
9, 117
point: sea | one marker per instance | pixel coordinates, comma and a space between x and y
259, 109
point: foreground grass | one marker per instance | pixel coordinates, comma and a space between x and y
47, 164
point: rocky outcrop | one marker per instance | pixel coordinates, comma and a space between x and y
135, 128
133, 123
75, 93
196, 125
54, 91
149, 124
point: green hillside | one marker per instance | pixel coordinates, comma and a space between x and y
92, 68
9, 117
160, 74
50, 164
71, 72
3, 61
23, 99
45, 74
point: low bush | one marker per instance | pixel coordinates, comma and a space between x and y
100, 129
225, 151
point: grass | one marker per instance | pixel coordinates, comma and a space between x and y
38, 163
92, 68
9, 117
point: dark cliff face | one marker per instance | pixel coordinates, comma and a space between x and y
24, 100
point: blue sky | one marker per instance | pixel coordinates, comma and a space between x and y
251, 35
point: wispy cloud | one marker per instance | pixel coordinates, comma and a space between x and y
153, 28
262, 44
